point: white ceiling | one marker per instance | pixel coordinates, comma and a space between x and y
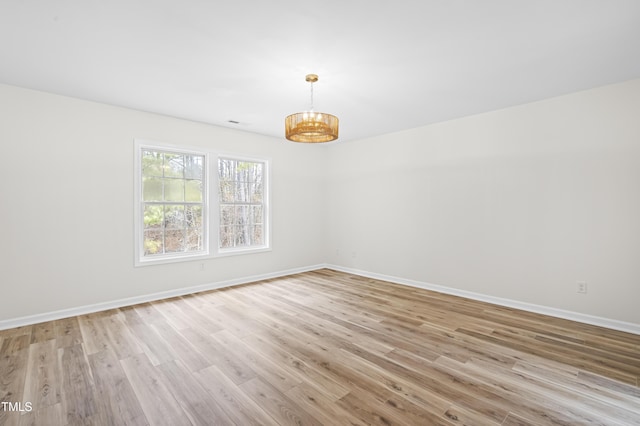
384, 66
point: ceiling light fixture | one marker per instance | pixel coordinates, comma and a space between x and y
311, 126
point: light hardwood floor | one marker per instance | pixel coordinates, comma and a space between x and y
321, 347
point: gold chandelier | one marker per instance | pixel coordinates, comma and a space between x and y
311, 126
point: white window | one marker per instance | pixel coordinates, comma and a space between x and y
242, 204
178, 213
171, 208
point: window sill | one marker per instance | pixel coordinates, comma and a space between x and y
171, 259
196, 257
239, 251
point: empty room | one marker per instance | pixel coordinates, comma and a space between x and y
333, 213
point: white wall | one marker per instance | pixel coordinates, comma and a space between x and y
66, 190
519, 203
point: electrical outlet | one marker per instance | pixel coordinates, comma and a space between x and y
582, 287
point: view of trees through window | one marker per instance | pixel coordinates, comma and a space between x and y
174, 211
241, 198
173, 202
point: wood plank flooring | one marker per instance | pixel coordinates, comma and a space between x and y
322, 347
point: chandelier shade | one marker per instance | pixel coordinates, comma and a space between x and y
311, 126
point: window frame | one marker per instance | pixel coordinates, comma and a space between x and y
140, 259
210, 204
266, 246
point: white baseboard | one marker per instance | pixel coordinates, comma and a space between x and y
558, 313
103, 306
87, 309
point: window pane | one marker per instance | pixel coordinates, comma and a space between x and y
193, 216
225, 169
173, 165
153, 242
173, 190
243, 216
257, 215
152, 163
193, 167
174, 240
256, 235
226, 191
153, 217
193, 190
256, 193
194, 239
227, 215
242, 235
242, 192
174, 217
226, 236
151, 189
250, 170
